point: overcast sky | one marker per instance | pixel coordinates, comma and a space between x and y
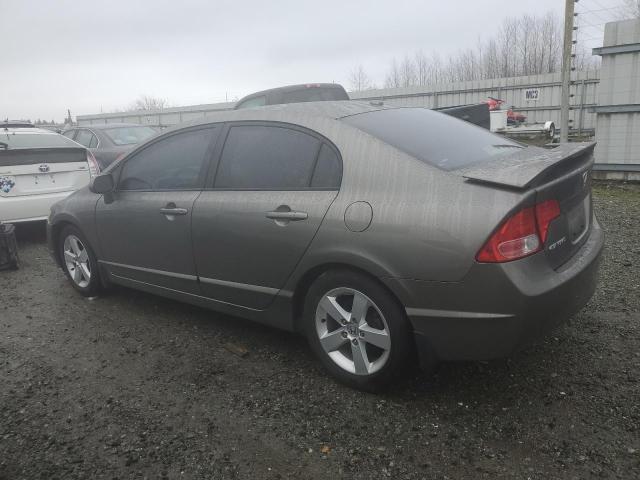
92, 56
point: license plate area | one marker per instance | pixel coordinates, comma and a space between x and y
579, 220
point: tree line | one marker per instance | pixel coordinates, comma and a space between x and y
528, 45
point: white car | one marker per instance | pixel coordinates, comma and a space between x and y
37, 168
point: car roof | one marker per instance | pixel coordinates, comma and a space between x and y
29, 130
292, 88
290, 112
104, 126
16, 124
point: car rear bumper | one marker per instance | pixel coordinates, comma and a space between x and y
499, 308
28, 208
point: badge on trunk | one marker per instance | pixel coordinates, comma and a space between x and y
44, 168
6, 184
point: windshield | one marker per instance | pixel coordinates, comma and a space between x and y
434, 138
129, 135
15, 140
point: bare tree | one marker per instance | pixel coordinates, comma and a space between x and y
393, 79
407, 72
630, 9
147, 102
359, 80
528, 45
422, 68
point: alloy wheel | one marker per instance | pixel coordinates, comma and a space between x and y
352, 331
76, 259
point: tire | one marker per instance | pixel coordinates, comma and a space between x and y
79, 263
368, 353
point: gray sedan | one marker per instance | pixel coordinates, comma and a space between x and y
110, 141
387, 236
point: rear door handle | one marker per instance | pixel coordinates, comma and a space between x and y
291, 216
173, 211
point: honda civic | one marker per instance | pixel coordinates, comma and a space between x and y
388, 236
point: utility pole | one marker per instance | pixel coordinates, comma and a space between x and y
567, 60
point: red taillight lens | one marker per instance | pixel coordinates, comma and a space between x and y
521, 235
545, 213
94, 167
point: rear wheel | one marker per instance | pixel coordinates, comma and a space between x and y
79, 262
357, 330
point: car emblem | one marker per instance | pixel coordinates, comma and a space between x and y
585, 178
44, 168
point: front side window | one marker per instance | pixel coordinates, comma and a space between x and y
259, 157
176, 162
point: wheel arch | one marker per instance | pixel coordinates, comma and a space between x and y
306, 280
56, 230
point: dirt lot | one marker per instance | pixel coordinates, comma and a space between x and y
129, 385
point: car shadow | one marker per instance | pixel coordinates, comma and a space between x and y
491, 378
31, 233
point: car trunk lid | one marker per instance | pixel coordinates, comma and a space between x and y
562, 174
33, 171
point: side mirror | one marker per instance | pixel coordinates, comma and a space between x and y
102, 183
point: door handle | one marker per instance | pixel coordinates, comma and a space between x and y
291, 216
173, 211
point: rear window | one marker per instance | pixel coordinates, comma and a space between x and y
314, 94
129, 135
260, 101
434, 138
34, 140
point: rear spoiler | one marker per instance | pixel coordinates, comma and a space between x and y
528, 166
32, 156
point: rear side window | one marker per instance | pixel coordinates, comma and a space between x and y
328, 172
84, 137
176, 162
258, 157
434, 138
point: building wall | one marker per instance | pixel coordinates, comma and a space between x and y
618, 109
512, 90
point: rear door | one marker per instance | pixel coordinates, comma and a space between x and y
144, 227
273, 186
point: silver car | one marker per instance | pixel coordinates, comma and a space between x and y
388, 236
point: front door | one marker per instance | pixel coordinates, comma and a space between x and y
144, 227
273, 187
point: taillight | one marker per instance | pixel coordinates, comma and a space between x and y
94, 167
522, 234
545, 213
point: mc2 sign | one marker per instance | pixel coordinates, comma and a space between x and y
531, 94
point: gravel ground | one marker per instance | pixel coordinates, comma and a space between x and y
129, 385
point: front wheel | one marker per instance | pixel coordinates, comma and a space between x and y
357, 329
79, 262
